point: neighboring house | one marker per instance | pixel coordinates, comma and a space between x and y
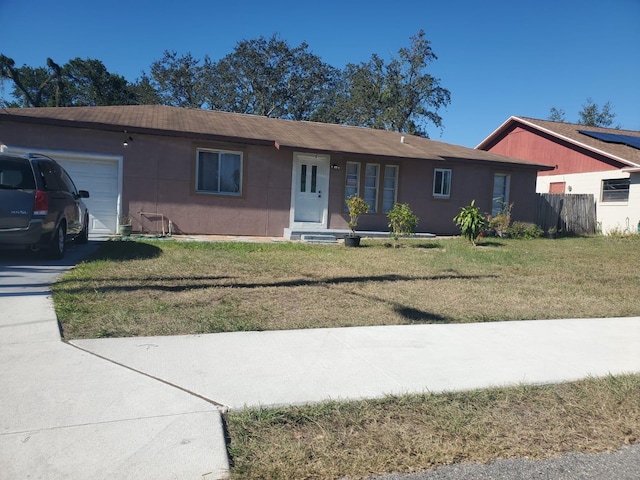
211, 172
604, 162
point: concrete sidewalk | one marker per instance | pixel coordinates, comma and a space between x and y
67, 414
292, 367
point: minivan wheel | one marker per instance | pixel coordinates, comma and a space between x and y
57, 243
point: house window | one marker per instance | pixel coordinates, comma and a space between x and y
371, 174
351, 181
390, 187
441, 183
219, 172
616, 190
500, 193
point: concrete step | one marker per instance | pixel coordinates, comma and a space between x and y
318, 238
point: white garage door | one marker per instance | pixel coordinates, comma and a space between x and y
99, 174
100, 177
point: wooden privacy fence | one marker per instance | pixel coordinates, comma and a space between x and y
570, 213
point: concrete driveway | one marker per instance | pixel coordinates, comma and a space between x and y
67, 414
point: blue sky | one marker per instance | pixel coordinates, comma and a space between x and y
498, 58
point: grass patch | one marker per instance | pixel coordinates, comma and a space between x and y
167, 287
411, 433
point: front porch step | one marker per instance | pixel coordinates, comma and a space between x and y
316, 238
337, 234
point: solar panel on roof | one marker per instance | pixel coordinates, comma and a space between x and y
628, 140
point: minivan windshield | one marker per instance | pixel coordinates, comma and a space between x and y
16, 174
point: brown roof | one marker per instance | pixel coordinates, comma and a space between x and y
571, 132
254, 129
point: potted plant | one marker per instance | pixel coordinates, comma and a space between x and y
552, 232
356, 206
124, 225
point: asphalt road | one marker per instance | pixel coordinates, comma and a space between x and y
623, 464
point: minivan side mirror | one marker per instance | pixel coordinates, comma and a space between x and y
83, 194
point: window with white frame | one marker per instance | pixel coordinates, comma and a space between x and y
615, 190
390, 187
442, 183
371, 176
351, 181
500, 199
219, 172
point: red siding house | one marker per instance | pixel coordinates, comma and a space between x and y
604, 162
206, 172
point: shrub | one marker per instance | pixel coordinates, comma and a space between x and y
470, 221
402, 221
524, 230
499, 224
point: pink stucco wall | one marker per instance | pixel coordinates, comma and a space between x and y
159, 177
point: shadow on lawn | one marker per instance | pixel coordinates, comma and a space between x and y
183, 284
123, 250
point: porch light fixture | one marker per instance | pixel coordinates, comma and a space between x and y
335, 166
127, 139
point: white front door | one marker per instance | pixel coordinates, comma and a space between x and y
310, 191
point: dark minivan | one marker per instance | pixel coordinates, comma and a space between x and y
40, 206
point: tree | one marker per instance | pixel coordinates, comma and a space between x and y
267, 77
77, 83
32, 87
557, 115
592, 116
179, 80
399, 95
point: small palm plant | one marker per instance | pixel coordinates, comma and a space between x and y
470, 221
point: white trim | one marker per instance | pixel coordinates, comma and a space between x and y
433, 190
322, 225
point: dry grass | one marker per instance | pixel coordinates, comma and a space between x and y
416, 432
163, 288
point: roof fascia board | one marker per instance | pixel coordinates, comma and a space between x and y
495, 133
110, 127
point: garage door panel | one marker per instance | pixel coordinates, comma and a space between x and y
100, 178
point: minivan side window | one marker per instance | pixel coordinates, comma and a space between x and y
68, 183
49, 176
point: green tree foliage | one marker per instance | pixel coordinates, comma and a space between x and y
557, 115
268, 77
179, 80
591, 115
77, 83
398, 95
264, 76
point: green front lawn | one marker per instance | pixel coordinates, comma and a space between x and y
169, 287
